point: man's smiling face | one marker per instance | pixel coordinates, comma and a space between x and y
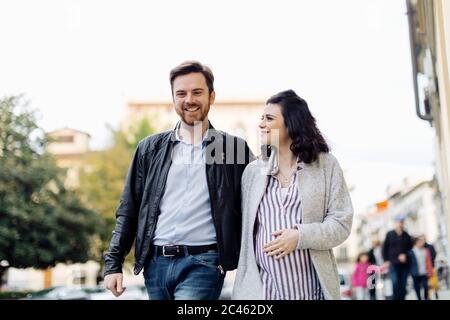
192, 98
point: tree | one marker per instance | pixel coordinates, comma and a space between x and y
41, 222
103, 177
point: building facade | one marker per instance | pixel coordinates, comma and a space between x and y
418, 202
429, 23
70, 147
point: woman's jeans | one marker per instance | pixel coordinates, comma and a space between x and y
421, 282
188, 277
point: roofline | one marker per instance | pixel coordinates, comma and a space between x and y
413, 188
65, 128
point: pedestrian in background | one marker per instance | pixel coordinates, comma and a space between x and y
442, 272
360, 276
376, 262
433, 281
430, 247
395, 249
420, 267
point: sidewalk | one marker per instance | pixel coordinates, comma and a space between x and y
443, 295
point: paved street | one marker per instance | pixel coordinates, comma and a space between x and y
443, 295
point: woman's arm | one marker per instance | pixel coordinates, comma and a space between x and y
337, 223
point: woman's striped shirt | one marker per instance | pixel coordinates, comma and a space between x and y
294, 276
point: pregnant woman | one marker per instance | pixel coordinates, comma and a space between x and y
296, 209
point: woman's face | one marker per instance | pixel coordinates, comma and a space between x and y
272, 129
420, 243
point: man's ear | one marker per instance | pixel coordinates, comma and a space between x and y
212, 97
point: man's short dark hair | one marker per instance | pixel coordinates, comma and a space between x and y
193, 67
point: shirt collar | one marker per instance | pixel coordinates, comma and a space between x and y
272, 167
200, 144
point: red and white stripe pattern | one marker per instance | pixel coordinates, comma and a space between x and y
294, 276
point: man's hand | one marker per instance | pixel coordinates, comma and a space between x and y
385, 267
113, 282
284, 244
402, 258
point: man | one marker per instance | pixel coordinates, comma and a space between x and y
181, 201
395, 249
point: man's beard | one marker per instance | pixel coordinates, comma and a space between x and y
191, 121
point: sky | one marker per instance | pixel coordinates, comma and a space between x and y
80, 62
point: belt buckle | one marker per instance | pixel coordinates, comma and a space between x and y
168, 255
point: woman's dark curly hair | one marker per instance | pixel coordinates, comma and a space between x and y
307, 141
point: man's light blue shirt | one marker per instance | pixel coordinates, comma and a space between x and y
185, 209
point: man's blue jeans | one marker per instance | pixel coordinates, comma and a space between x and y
188, 277
399, 276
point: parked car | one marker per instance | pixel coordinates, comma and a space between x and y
59, 293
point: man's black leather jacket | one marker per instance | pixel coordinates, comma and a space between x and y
137, 214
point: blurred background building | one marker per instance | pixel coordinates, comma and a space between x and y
429, 24
417, 201
240, 118
70, 147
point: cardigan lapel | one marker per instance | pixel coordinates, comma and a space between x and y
258, 189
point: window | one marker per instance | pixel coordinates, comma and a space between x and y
65, 139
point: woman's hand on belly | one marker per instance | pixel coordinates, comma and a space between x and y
284, 244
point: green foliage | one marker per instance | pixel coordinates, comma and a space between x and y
41, 222
103, 178
13, 295
142, 130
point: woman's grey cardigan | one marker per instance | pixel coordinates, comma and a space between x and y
327, 221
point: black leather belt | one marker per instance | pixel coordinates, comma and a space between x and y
175, 251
